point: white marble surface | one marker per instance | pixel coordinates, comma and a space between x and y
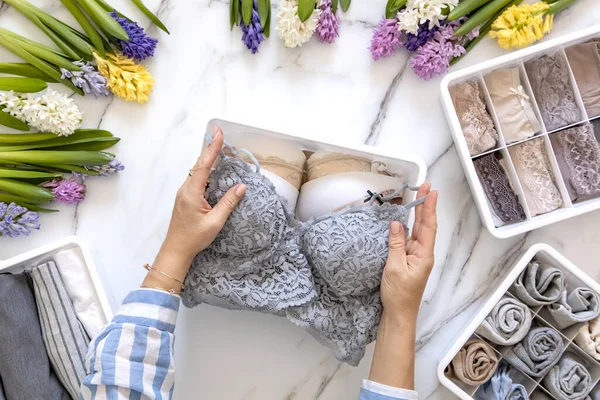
337, 92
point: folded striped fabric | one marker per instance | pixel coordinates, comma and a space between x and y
65, 339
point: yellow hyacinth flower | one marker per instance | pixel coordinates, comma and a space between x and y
125, 78
519, 26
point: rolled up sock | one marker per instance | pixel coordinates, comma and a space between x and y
475, 363
501, 387
568, 380
539, 351
539, 284
581, 305
507, 324
588, 338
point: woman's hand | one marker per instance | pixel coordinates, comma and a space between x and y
404, 279
410, 261
194, 223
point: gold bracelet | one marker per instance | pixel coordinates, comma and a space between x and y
149, 268
170, 291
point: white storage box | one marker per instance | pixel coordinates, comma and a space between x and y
574, 277
476, 73
412, 169
46, 253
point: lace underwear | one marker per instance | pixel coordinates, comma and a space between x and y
585, 63
476, 122
502, 199
322, 164
551, 84
323, 274
535, 174
578, 154
512, 105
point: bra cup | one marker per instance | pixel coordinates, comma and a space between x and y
259, 220
349, 249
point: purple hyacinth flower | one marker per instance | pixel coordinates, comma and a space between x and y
433, 58
88, 79
386, 39
412, 42
109, 169
16, 220
328, 25
253, 33
139, 46
67, 192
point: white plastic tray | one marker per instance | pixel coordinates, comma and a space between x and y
45, 253
477, 72
412, 168
574, 277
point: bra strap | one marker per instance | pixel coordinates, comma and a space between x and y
378, 197
234, 151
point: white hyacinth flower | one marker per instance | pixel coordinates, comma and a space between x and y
49, 111
290, 29
423, 11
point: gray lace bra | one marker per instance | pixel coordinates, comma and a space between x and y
323, 274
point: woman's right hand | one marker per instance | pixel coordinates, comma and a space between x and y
410, 261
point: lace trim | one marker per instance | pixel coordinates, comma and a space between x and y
336, 163
476, 122
551, 84
581, 153
505, 203
536, 173
292, 173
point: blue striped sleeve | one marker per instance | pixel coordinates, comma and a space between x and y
377, 391
132, 358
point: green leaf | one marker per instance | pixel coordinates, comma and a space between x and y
150, 15
48, 158
267, 29
334, 6
263, 11
11, 138
103, 20
392, 8
9, 121
86, 25
24, 69
232, 14
305, 9
23, 174
72, 168
247, 11
466, 7
345, 5
27, 191
67, 144
108, 8
10, 198
237, 12
22, 85
480, 16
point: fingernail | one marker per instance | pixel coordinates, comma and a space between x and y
216, 133
395, 227
240, 190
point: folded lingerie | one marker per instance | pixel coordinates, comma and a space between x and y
475, 120
539, 351
535, 174
569, 380
475, 363
584, 60
513, 106
578, 154
503, 201
581, 305
323, 274
551, 84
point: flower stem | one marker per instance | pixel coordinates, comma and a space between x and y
559, 5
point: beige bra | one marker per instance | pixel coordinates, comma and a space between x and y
321, 164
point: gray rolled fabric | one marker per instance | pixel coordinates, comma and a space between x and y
517, 392
568, 380
581, 305
24, 366
539, 284
507, 324
501, 387
64, 336
539, 351
475, 363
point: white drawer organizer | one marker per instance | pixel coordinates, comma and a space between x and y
476, 73
574, 278
412, 169
46, 253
